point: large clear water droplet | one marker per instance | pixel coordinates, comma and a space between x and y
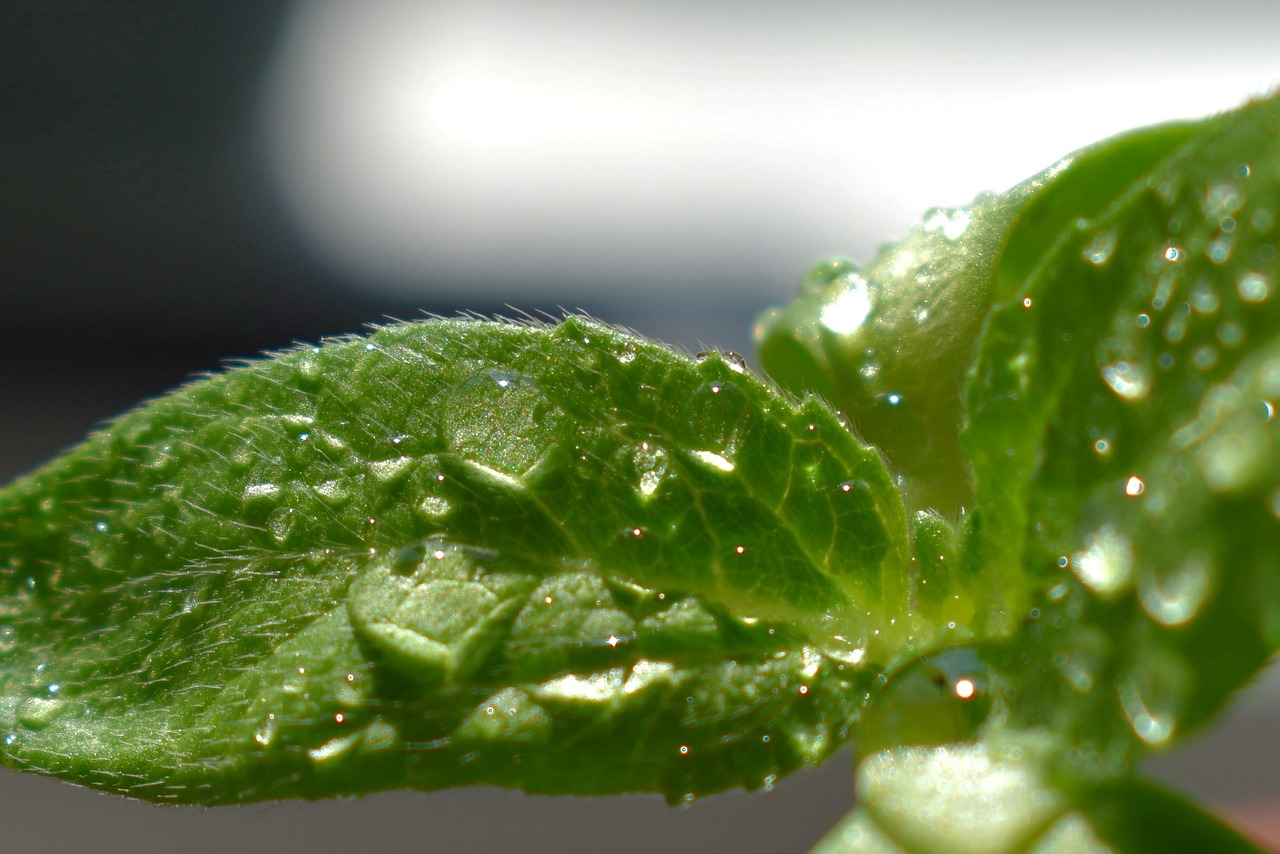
502, 421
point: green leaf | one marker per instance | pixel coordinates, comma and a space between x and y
1123, 439
565, 559
889, 345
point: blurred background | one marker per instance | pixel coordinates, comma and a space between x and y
182, 183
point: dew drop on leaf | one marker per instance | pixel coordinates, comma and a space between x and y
1172, 594
1129, 380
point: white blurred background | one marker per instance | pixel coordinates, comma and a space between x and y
181, 183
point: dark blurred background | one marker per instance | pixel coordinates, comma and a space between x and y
182, 183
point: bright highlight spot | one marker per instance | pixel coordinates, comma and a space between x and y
964, 689
1134, 486
850, 308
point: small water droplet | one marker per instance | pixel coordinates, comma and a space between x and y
1234, 458
735, 361
1174, 254
434, 507
281, 523
1204, 299
1026, 302
1151, 695
334, 492
1253, 287
1129, 380
1099, 251
1219, 249
1231, 334
1105, 565
1172, 595
39, 712
1082, 659
651, 467
1204, 358
1102, 447
1134, 486
714, 460
1260, 221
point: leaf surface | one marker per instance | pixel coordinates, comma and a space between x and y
565, 559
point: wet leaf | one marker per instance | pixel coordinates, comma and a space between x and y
565, 559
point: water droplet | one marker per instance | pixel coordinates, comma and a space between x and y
1026, 302
951, 222
848, 309
1204, 299
1102, 447
39, 712
735, 361
1235, 458
334, 492
1099, 251
434, 507
1129, 380
714, 460
1172, 595
281, 523
1174, 254
503, 423
1083, 658
1253, 287
1204, 358
936, 699
1105, 565
651, 467
389, 471
1152, 694
309, 363
1134, 486
1219, 249
1260, 221
1231, 334
334, 748
1221, 200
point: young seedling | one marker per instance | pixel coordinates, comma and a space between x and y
1039, 543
